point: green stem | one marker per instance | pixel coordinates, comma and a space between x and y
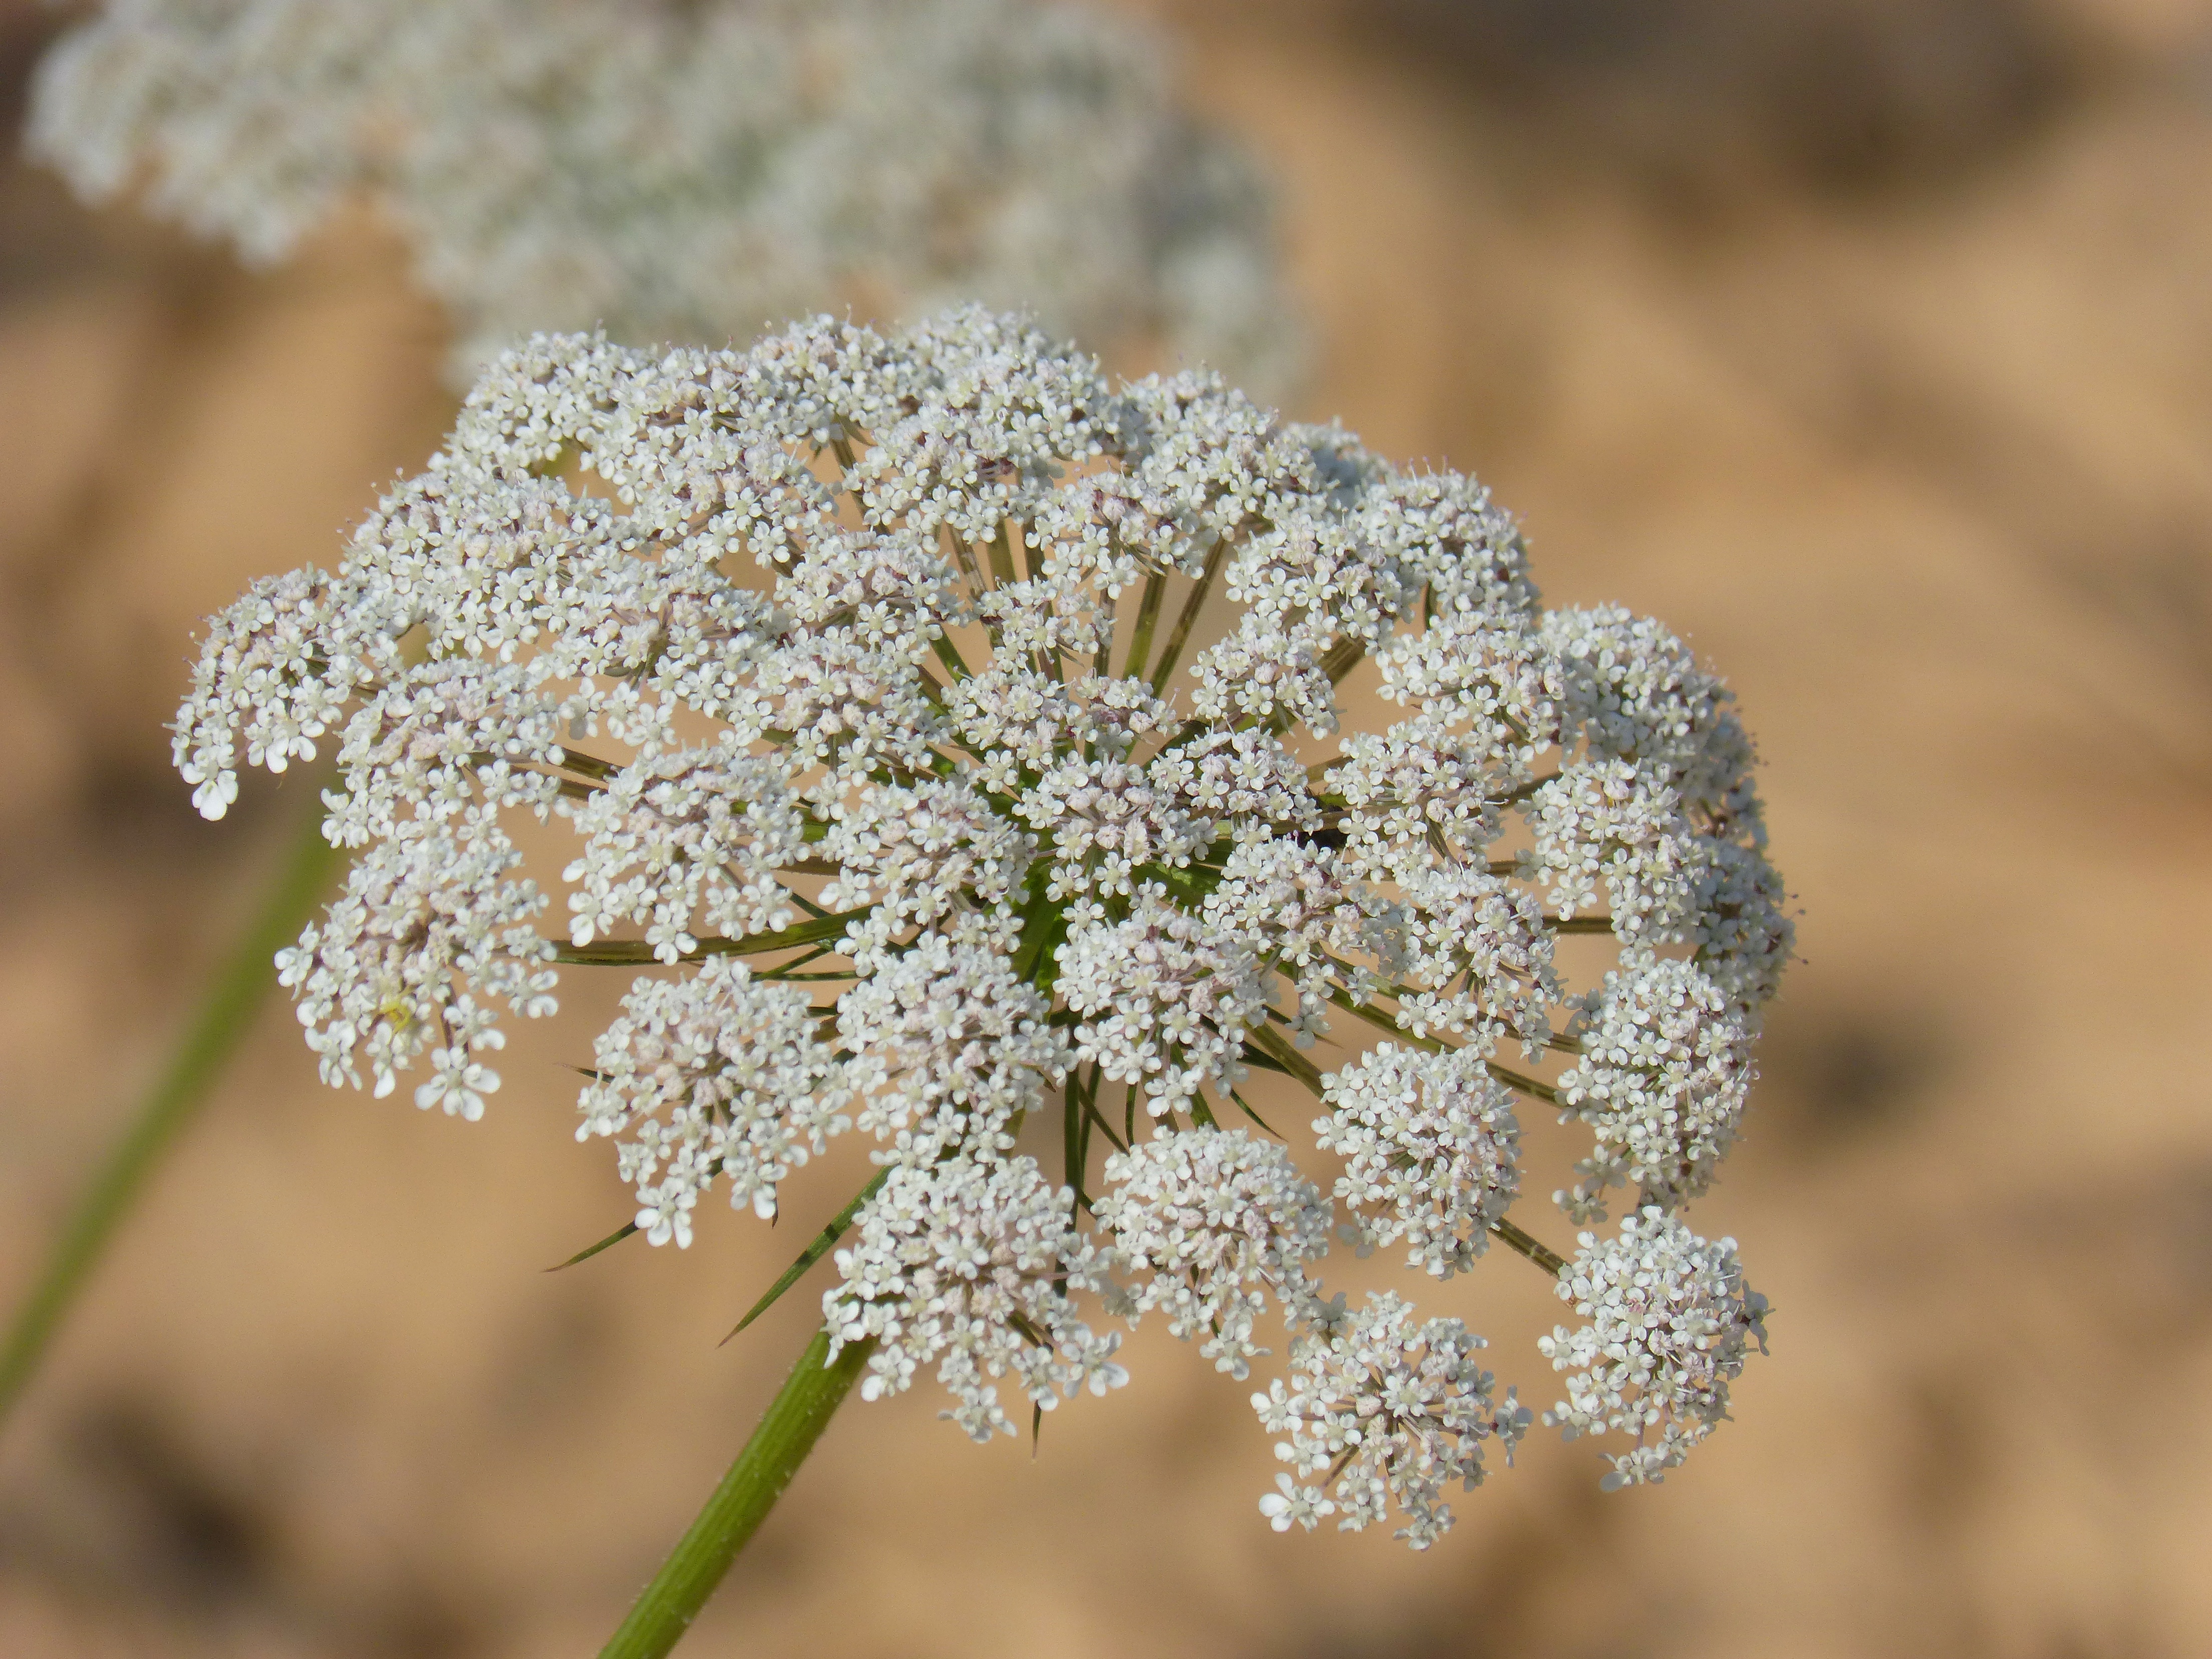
1526, 1085
239, 985
617, 952
1542, 1254
1188, 619
1280, 1048
795, 1420
1002, 557
1148, 614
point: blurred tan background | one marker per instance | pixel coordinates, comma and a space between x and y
1867, 341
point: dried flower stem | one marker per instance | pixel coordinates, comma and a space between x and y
795, 1420
240, 986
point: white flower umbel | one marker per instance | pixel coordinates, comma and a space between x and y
1428, 1144
1665, 1069
1670, 1320
716, 1075
949, 1047
673, 170
1165, 1001
1384, 1411
970, 1264
865, 671
1212, 1219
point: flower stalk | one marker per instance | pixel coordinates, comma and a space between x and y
795, 1420
240, 986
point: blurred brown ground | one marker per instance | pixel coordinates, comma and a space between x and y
1868, 342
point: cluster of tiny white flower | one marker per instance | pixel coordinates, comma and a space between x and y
748, 1088
970, 1264
1669, 1320
1664, 1070
1216, 1218
1382, 1408
671, 169
949, 1047
1429, 1136
859, 658
1176, 999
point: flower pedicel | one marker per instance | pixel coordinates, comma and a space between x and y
876, 680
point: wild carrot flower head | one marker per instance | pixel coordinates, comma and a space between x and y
687, 169
879, 683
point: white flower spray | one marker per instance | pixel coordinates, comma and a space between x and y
689, 169
869, 676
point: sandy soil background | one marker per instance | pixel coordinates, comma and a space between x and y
1868, 342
